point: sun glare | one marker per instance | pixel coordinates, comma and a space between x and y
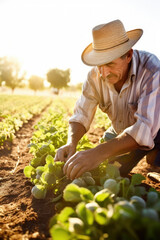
45, 34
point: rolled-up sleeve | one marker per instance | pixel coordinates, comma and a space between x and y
147, 116
86, 105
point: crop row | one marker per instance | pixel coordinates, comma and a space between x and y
50, 134
99, 205
16, 110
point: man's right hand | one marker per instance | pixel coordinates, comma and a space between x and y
65, 152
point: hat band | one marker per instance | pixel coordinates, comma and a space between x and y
110, 47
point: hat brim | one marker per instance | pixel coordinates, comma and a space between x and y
92, 57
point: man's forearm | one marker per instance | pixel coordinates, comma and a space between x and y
76, 132
119, 145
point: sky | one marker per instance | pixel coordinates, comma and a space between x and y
46, 34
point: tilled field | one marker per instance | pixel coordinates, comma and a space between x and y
21, 216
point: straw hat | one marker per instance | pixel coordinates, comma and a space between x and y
110, 41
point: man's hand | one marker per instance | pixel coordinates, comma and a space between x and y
76, 131
82, 162
65, 152
87, 160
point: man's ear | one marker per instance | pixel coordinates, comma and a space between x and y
129, 55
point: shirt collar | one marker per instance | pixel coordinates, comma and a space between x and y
133, 66
132, 72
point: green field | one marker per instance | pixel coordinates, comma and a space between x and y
99, 205
15, 110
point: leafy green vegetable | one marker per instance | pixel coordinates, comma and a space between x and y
150, 213
57, 232
137, 179
29, 171
79, 182
112, 185
92, 206
138, 202
101, 216
73, 193
66, 213
85, 214
39, 191
98, 205
76, 225
152, 198
89, 180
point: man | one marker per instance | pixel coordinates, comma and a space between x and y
125, 83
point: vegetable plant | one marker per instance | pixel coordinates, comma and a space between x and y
99, 205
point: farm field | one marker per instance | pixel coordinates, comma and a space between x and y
22, 216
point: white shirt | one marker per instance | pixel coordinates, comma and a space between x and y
135, 110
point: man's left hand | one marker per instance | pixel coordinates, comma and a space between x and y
82, 162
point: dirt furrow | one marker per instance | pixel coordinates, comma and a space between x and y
21, 217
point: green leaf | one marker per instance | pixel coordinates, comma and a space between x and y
72, 193
65, 214
48, 178
140, 191
124, 210
40, 169
59, 171
86, 194
101, 216
112, 171
49, 159
137, 179
39, 191
59, 164
152, 198
35, 162
57, 198
76, 225
85, 214
57, 232
51, 168
102, 195
138, 202
150, 213
112, 185
52, 148
38, 134
29, 171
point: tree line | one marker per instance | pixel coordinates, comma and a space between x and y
13, 77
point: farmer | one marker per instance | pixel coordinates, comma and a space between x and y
125, 83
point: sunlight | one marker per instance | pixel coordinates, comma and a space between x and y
47, 34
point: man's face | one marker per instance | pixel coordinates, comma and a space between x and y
115, 71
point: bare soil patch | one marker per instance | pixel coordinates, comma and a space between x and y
21, 216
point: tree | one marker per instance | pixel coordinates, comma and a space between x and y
0, 80
10, 73
58, 78
1, 69
36, 83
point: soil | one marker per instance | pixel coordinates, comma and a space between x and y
21, 216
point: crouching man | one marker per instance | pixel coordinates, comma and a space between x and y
125, 83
